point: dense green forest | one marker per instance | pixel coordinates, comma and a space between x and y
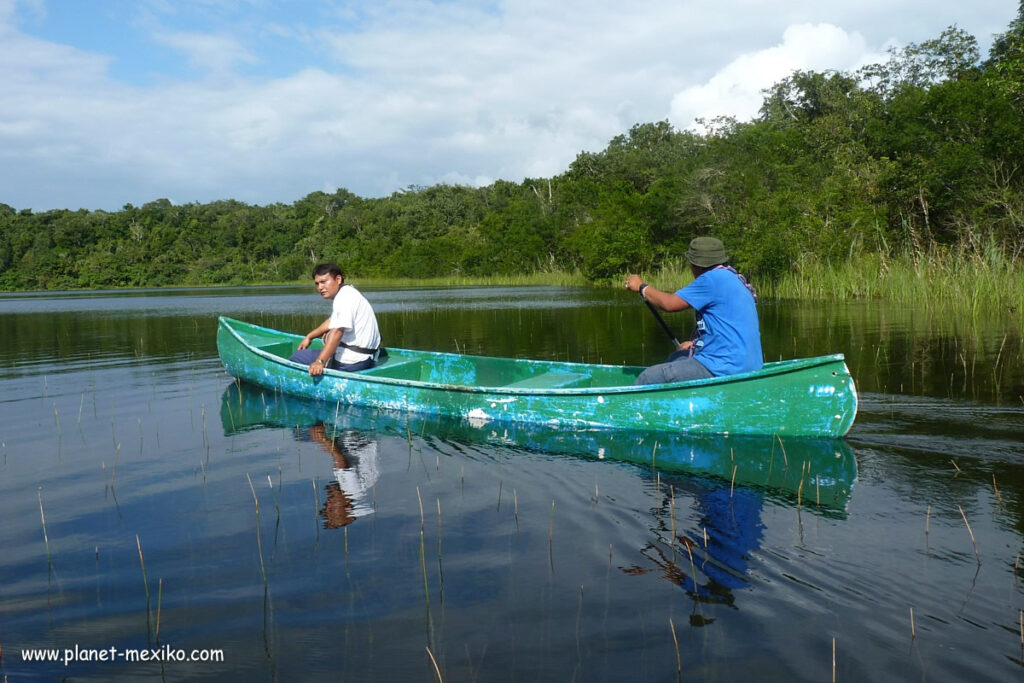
921, 154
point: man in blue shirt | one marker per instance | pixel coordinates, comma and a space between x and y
728, 339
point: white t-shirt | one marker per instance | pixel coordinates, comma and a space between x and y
353, 313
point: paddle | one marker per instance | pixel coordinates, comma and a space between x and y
661, 321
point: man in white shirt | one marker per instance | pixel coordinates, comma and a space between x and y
351, 336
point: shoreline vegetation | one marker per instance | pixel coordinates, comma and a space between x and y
901, 181
961, 283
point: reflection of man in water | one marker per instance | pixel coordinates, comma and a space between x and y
355, 468
732, 518
733, 521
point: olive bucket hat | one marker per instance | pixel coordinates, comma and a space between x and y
706, 252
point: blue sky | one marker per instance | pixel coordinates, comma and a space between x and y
111, 102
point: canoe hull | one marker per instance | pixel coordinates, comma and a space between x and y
808, 397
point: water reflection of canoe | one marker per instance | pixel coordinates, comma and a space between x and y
805, 397
817, 472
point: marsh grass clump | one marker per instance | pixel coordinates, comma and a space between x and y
970, 279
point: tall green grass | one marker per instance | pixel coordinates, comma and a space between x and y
959, 280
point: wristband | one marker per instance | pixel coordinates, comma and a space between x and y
643, 286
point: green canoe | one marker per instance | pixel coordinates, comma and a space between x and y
806, 397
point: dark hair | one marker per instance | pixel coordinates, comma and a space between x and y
331, 269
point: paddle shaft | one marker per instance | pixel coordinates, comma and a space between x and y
661, 321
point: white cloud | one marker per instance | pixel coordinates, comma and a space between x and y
216, 54
736, 90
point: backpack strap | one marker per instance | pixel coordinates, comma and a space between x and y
750, 287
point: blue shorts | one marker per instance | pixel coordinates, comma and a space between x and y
309, 356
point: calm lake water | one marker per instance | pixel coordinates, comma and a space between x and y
151, 503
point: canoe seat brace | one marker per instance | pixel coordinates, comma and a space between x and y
551, 380
406, 369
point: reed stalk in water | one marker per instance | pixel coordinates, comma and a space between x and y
579, 617
142, 438
672, 514
316, 507
433, 661
833, 659
259, 536
423, 549
142, 563
440, 567
159, 599
551, 534
679, 659
913, 631
408, 438
693, 567
42, 516
551, 525
973, 542
800, 487
277, 506
113, 471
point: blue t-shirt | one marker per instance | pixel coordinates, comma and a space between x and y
728, 338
